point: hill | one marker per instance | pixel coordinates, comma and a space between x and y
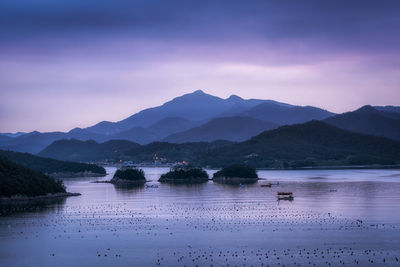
283, 115
369, 120
52, 166
16, 179
171, 125
157, 131
34, 142
303, 145
395, 109
117, 150
76, 150
311, 144
228, 128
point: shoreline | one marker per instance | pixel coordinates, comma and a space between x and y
23, 199
338, 167
235, 180
60, 175
344, 167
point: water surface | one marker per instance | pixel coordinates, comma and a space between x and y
338, 217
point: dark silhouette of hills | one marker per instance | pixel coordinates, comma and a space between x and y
115, 150
51, 166
178, 115
196, 106
76, 150
369, 120
16, 179
227, 128
34, 142
283, 115
311, 144
395, 109
171, 125
157, 131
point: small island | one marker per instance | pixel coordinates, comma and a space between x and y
236, 174
185, 174
19, 183
129, 176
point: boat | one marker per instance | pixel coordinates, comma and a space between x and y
285, 193
285, 196
266, 185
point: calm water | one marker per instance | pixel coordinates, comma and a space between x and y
349, 217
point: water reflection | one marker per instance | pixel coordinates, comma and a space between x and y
33, 206
127, 188
346, 212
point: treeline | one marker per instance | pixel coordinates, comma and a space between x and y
50, 166
312, 144
16, 179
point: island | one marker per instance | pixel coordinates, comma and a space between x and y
184, 174
236, 174
129, 176
19, 183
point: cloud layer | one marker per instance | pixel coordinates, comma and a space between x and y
74, 63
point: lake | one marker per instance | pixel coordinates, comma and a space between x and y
337, 217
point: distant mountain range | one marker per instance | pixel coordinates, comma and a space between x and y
198, 117
178, 115
311, 144
226, 128
369, 120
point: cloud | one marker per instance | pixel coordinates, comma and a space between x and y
98, 59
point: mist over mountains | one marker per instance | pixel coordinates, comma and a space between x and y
200, 117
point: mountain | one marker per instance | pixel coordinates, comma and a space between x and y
35, 141
395, 109
136, 134
5, 138
227, 128
283, 115
196, 106
16, 179
12, 134
153, 124
76, 150
155, 132
117, 150
369, 120
171, 125
313, 143
52, 166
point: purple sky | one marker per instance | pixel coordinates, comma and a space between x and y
66, 64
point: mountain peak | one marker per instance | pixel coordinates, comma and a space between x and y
235, 98
198, 92
367, 109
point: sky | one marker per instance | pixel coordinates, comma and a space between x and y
73, 63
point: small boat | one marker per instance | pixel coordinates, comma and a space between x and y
152, 186
285, 196
266, 185
285, 193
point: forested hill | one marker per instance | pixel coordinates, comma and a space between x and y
52, 166
306, 145
311, 144
16, 179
